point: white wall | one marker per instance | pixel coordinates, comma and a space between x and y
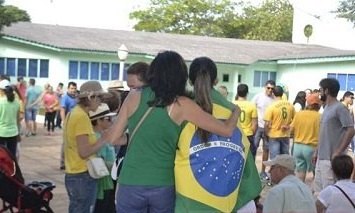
57, 69
302, 76
327, 29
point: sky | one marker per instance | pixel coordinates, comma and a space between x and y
106, 14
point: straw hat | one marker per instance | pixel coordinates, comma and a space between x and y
118, 85
102, 111
91, 88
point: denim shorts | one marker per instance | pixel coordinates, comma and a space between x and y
143, 199
31, 114
81, 189
278, 146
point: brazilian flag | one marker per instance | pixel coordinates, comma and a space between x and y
220, 177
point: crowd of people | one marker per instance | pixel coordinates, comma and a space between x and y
192, 151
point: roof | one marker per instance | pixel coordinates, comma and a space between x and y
223, 50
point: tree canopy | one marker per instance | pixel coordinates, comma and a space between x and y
221, 18
11, 14
346, 9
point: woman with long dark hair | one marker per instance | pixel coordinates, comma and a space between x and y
300, 101
146, 181
9, 117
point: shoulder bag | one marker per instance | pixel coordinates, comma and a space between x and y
119, 160
345, 195
96, 165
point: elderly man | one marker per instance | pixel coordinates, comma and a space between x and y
290, 194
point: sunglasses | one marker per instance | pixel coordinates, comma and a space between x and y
107, 118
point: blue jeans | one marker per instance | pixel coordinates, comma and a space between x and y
143, 199
81, 189
278, 146
260, 134
252, 145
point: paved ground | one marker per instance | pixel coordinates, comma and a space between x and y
39, 160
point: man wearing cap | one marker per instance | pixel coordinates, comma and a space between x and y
290, 194
305, 127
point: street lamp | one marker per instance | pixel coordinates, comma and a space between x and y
122, 53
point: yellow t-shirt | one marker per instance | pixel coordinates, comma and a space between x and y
280, 113
306, 127
248, 112
76, 123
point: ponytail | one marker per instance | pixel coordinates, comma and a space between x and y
203, 73
202, 88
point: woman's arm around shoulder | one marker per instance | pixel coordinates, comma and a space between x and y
187, 109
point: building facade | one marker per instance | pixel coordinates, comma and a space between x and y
53, 54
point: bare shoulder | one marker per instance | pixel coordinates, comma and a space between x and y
132, 101
184, 101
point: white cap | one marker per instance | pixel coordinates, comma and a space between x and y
283, 160
4, 83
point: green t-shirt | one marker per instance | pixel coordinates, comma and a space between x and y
8, 117
151, 153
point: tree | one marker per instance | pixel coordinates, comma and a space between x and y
272, 21
11, 14
222, 18
184, 16
346, 9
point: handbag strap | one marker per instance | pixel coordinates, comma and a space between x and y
345, 195
138, 125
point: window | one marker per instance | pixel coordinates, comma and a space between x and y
43, 68
32, 67
260, 77
73, 69
346, 81
84, 70
10, 66
94, 71
21, 67
342, 81
114, 71
2, 65
126, 66
105, 71
351, 82
225, 78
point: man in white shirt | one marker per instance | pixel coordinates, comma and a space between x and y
339, 197
290, 194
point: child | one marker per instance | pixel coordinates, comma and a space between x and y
101, 120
